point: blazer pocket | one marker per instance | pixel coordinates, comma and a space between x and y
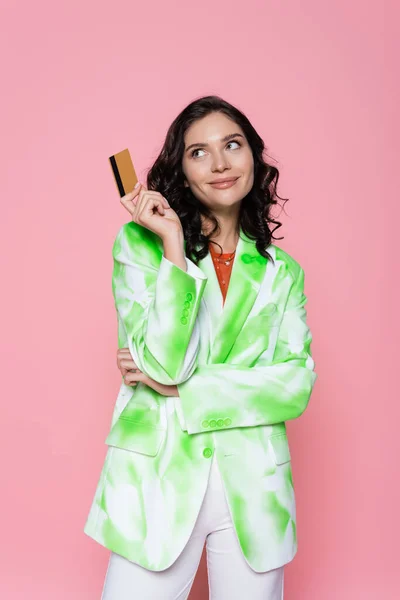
136, 437
279, 446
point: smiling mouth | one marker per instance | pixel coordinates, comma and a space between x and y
224, 183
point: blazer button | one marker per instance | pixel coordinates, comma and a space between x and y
184, 321
205, 424
228, 422
186, 304
220, 422
213, 423
185, 312
189, 296
207, 452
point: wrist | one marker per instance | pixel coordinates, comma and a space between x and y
174, 236
174, 250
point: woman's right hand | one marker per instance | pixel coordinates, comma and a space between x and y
132, 375
151, 210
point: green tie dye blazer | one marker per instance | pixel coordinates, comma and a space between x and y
242, 369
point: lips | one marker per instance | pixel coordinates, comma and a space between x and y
224, 183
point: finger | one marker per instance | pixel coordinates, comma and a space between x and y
146, 211
128, 364
142, 200
148, 208
122, 352
129, 200
155, 194
145, 197
137, 205
130, 377
139, 202
127, 357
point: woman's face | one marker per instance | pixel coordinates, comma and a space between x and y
216, 149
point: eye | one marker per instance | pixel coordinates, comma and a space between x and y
196, 150
234, 142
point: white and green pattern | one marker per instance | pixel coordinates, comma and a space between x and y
242, 370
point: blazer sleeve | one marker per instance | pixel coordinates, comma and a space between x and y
157, 305
220, 396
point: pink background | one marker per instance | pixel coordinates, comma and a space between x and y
82, 81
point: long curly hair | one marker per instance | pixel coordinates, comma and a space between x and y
166, 176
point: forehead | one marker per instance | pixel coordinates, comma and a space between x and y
211, 128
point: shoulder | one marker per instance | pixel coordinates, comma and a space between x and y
137, 243
289, 263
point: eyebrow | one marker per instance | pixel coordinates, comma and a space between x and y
225, 139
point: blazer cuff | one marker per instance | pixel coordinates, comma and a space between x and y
191, 268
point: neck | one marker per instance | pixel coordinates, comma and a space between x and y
228, 235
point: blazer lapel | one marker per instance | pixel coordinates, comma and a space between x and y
227, 320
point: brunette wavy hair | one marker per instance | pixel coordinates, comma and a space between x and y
166, 176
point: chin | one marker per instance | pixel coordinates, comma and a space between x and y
229, 199
226, 204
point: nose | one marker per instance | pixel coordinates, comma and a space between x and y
220, 162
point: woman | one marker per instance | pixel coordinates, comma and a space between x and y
198, 451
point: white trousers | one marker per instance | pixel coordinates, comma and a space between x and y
229, 575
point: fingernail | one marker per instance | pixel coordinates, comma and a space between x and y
137, 184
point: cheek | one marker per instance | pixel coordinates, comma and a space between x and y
251, 178
244, 162
196, 173
248, 173
249, 164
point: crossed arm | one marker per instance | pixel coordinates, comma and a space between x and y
157, 304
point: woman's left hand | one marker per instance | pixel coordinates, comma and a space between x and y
132, 375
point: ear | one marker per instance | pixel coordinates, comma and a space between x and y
185, 183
